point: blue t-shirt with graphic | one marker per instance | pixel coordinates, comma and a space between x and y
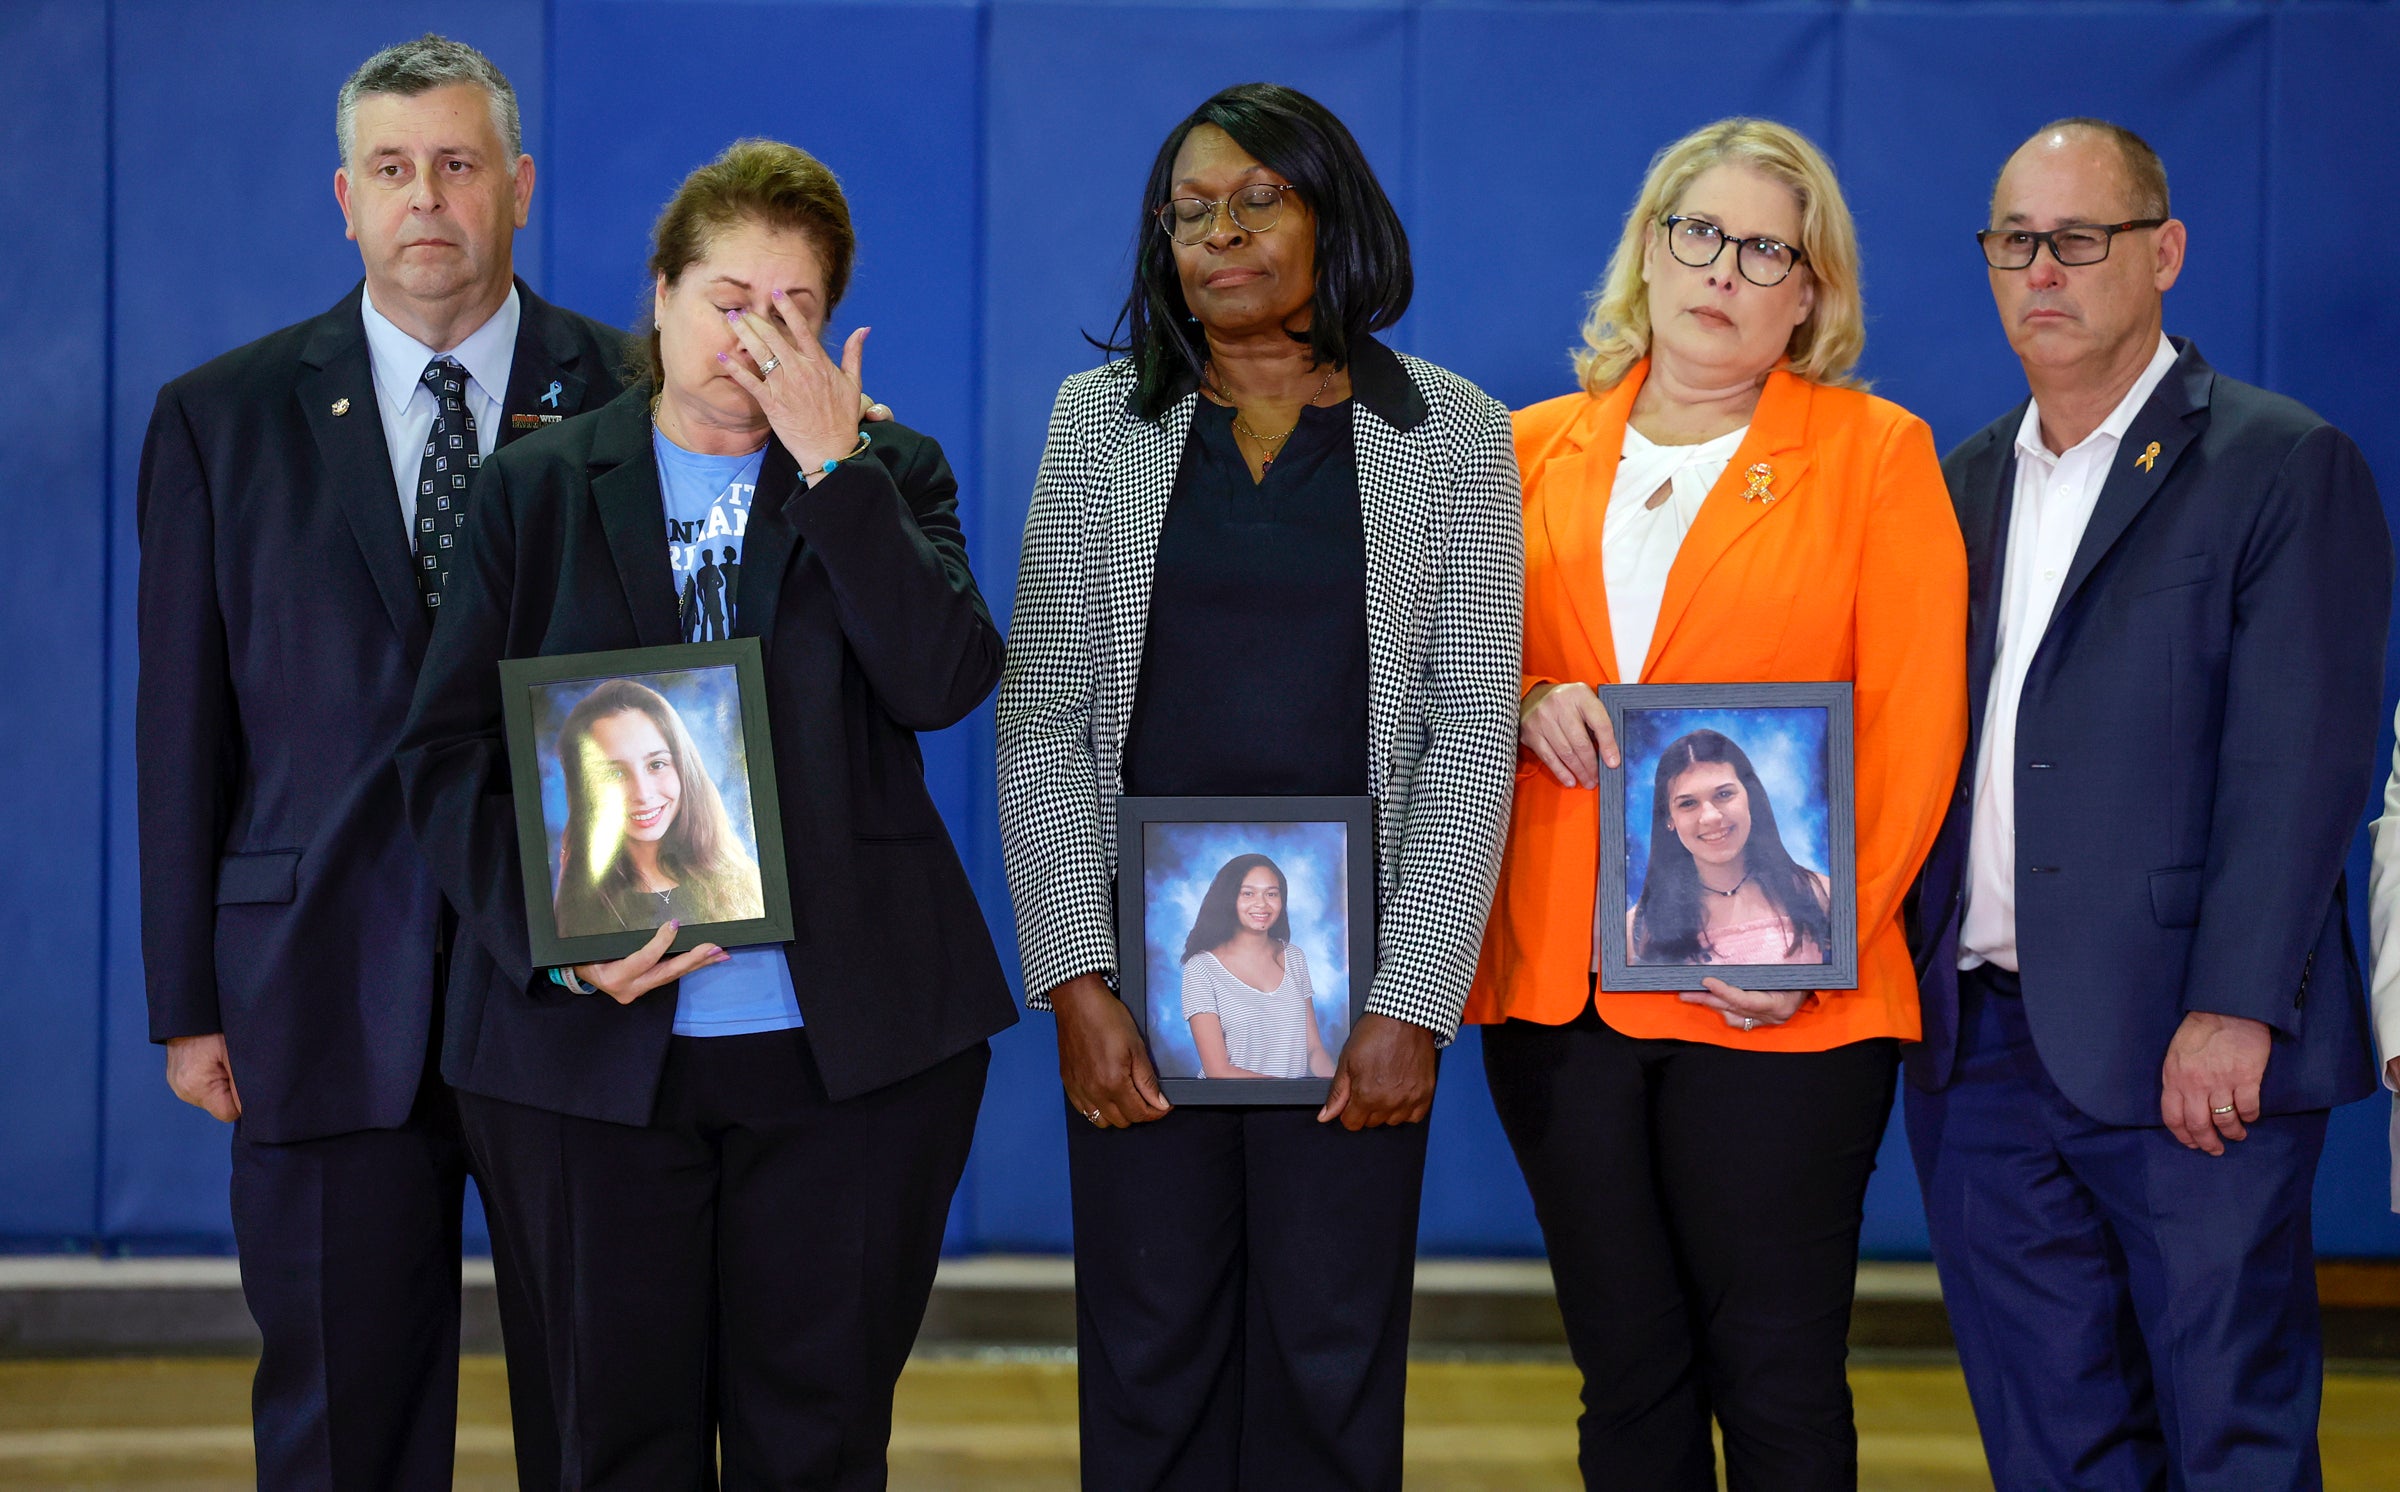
708, 512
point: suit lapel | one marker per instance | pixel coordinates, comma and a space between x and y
1134, 511
1576, 518
769, 542
633, 514
545, 382
1396, 477
1777, 440
338, 375
1989, 484
2168, 422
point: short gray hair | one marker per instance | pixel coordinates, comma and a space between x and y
420, 66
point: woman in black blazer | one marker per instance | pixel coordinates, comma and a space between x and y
732, 1236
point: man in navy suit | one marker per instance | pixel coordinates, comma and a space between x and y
2140, 998
299, 498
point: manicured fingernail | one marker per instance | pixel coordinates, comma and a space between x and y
722, 358
671, 922
776, 293
733, 315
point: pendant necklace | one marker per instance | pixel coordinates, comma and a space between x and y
1272, 445
1737, 886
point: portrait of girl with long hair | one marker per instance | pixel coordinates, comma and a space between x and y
647, 836
1246, 992
1721, 887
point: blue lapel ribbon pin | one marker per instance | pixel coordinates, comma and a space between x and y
551, 398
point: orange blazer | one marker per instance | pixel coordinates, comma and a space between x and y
1855, 571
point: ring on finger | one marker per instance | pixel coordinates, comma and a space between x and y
1749, 1023
1094, 1116
2221, 1113
769, 366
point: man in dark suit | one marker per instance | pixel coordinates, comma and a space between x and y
300, 501
2140, 998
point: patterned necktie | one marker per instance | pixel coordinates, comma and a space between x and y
450, 454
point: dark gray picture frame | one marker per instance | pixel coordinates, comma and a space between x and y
521, 677
1136, 816
1619, 785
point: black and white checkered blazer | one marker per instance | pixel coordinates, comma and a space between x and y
1437, 476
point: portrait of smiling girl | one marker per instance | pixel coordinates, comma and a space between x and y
1246, 991
647, 836
1721, 887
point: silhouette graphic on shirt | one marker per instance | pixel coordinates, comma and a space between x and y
733, 587
687, 612
711, 584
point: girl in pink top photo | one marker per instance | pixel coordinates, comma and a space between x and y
1721, 888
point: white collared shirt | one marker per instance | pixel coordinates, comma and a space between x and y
2055, 496
408, 407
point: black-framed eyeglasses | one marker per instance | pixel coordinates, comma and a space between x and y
1765, 262
1254, 209
2075, 244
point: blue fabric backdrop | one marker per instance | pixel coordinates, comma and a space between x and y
171, 168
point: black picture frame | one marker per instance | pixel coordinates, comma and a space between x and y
530, 691
1647, 719
1166, 846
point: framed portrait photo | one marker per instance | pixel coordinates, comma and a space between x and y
1728, 840
1246, 940
645, 792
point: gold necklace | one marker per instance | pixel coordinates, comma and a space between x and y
1271, 444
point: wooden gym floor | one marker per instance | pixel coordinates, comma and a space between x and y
1005, 1422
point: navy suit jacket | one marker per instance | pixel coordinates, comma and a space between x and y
859, 593
283, 900
2195, 744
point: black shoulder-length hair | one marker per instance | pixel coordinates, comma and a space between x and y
1363, 277
1216, 923
1667, 921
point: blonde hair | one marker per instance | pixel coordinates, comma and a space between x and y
1825, 347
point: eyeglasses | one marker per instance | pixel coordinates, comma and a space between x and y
1765, 262
2075, 244
1254, 209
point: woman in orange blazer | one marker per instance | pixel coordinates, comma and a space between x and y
1720, 504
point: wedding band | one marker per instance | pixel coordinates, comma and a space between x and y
1094, 1116
2225, 1110
1749, 1024
769, 366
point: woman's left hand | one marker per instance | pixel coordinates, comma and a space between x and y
1757, 1007
1385, 1075
812, 403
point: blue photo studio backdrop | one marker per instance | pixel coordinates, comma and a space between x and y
171, 168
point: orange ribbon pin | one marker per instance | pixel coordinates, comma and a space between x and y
2148, 458
1759, 476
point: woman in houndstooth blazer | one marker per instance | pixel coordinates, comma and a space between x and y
1307, 552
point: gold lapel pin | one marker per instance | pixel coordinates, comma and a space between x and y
2148, 458
1759, 476
341, 406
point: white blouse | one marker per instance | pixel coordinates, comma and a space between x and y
1638, 543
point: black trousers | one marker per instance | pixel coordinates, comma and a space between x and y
349, 1256
744, 1276
1701, 1206
1242, 1288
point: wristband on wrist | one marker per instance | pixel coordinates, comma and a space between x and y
857, 450
565, 976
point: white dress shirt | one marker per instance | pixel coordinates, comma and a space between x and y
408, 407
1638, 543
2053, 504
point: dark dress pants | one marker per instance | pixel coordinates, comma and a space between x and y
1701, 1206
1242, 1287
742, 1277
2132, 1315
349, 1256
